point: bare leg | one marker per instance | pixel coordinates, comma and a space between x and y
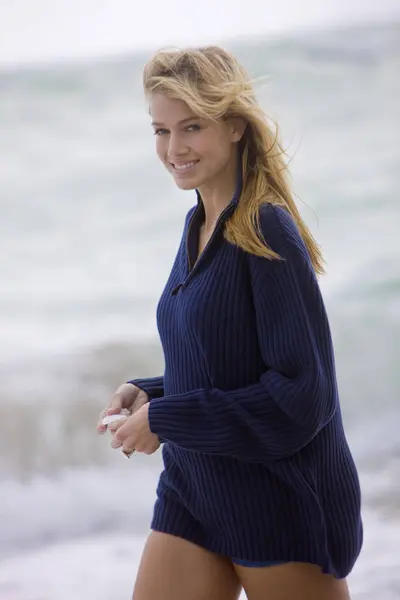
174, 569
291, 581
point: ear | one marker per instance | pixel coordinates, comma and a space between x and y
238, 127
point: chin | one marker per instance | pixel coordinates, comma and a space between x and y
186, 185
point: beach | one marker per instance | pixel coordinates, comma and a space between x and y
89, 227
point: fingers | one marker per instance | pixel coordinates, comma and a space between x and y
113, 427
129, 442
117, 404
122, 439
100, 427
114, 408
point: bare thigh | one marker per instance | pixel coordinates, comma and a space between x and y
174, 569
291, 581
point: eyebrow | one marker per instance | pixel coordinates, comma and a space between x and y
194, 118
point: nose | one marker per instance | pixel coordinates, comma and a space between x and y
176, 146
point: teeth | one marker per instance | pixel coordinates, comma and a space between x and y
185, 166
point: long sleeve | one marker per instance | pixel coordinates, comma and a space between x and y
296, 396
153, 386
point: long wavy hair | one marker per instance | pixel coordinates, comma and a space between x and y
215, 86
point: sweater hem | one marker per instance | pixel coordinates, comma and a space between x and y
171, 518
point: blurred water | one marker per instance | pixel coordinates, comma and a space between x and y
89, 225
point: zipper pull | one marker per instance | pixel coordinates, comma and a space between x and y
176, 289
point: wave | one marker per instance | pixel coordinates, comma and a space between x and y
358, 42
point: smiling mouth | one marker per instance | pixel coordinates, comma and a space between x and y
184, 167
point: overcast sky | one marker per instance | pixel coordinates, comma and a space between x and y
33, 30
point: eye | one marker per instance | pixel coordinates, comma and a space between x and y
160, 131
193, 127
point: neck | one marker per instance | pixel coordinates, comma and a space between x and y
217, 195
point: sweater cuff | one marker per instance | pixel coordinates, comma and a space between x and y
160, 417
153, 386
176, 418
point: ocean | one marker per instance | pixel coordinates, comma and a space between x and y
89, 226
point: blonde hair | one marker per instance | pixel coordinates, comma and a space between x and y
214, 85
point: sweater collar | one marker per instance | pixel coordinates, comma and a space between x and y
238, 190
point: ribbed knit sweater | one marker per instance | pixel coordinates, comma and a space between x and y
256, 462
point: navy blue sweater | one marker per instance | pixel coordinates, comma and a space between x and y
256, 462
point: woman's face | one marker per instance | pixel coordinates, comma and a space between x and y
196, 151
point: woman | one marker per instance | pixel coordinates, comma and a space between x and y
259, 489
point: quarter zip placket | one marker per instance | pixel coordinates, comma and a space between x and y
193, 268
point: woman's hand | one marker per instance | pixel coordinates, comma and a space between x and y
127, 397
133, 433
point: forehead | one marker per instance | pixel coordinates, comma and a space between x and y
168, 111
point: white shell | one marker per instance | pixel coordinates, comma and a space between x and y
112, 418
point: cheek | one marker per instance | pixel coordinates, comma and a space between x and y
219, 153
160, 148
214, 147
